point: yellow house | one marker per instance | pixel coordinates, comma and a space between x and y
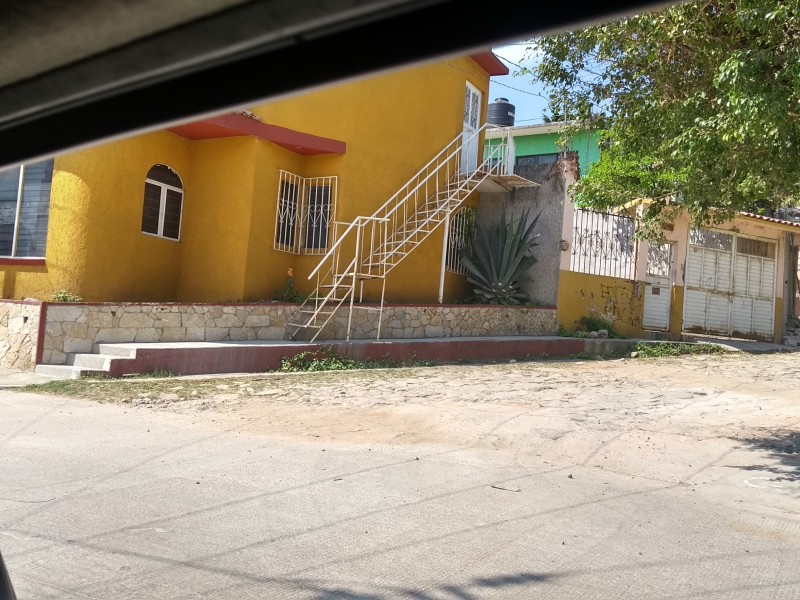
222, 209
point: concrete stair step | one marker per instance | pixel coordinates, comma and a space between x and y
97, 362
127, 350
65, 371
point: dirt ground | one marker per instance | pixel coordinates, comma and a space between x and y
692, 420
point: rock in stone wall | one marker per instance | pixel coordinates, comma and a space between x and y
19, 333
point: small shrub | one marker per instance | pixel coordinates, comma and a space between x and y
65, 296
563, 332
675, 349
586, 325
328, 360
290, 296
289, 293
596, 323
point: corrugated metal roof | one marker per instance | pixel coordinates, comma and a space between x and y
770, 219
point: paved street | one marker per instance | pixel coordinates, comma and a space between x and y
668, 478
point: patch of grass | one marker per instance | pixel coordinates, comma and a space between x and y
105, 389
58, 387
675, 349
156, 374
587, 356
328, 360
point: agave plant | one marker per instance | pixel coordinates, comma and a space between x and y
498, 256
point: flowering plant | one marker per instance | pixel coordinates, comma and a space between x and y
289, 294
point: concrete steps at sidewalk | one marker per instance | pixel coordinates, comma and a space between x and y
65, 371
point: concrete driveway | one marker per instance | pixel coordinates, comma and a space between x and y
676, 478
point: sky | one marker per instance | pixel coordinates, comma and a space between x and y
518, 90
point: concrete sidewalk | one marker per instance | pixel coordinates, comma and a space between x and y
13, 378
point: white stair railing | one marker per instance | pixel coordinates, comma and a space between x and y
372, 246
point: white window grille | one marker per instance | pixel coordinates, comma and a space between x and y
319, 204
462, 223
602, 244
25, 209
306, 206
290, 188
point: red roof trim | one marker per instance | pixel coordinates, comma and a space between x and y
235, 125
489, 62
770, 219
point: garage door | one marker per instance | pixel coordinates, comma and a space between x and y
730, 285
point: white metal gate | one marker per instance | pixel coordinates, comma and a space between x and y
658, 289
730, 285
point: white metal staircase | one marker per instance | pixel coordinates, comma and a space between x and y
370, 247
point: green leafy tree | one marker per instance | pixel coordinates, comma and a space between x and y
697, 104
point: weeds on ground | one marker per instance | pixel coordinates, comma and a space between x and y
586, 325
156, 374
564, 332
328, 360
591, 356
674, 349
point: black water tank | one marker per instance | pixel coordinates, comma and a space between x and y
501, 112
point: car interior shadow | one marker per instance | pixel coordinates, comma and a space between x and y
471, 590
783, 447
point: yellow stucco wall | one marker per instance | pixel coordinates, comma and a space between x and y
95, 247
216, 221
777, 333
676, 311
393, 124
122, 263
619, 301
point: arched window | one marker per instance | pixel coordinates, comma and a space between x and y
163, 203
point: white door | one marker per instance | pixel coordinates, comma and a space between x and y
469, 138
658, 288
730, 285
753, 307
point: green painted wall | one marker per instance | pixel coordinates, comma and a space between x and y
584, 143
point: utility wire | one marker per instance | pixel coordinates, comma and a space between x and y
519, 90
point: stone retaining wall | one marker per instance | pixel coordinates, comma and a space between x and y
19, 333
409, 322
78, 328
